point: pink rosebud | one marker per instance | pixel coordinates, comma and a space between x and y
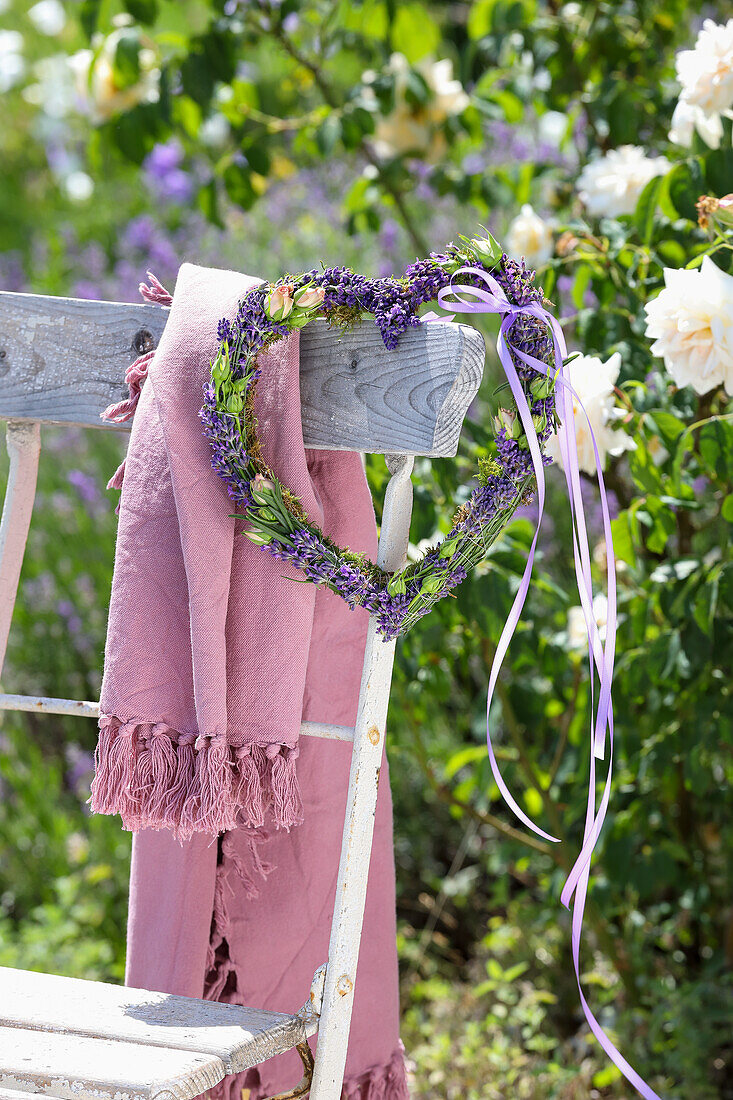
261, 484
279, 302
310, 297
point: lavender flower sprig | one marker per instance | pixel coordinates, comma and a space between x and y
277, 521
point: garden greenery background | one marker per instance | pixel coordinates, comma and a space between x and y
268, 136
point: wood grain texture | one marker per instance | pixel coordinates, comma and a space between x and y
237, 1037
63, 360
78, 1068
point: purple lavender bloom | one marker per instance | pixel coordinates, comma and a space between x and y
163, 158
85, 486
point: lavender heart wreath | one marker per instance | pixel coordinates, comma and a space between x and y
277, 521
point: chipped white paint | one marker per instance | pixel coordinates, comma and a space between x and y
238, 1037
75, 1067
356, 847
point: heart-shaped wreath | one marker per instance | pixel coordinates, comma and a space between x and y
277, 520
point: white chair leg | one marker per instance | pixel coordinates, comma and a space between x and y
23, 441
369, 734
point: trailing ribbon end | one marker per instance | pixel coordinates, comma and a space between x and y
600, 651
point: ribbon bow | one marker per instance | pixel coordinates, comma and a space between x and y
600, 651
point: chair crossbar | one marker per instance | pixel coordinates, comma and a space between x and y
81, 708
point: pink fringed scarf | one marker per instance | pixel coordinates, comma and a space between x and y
214, 656
205, 669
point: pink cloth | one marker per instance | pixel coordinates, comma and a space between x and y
214, 656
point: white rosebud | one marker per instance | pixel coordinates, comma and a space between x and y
594, 381
610, 185
530, 238
691, 323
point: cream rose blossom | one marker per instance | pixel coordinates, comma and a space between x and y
594, 381
94, 73
691, 323
530, 237
610, 185
706, 76
415, 128
706, 72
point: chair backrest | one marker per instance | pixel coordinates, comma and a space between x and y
63, 360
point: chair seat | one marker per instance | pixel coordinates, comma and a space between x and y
66, 1037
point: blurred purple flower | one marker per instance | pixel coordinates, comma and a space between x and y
163, 158
85, 486
12, 275
473, 164
79, 769
389, 234
163, 168
139, 233
67, 611
85, 288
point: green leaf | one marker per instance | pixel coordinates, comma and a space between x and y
646, 208
414, 32
719, 171
716, 448
327, 134
685, 184
208, 201
143, 11
479, 18
726, 509
238, 184
623, 542
127, 60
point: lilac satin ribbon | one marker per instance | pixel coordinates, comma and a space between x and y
600, 653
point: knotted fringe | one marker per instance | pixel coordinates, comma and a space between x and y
156, 292
157, 777
386, 1082
135, 375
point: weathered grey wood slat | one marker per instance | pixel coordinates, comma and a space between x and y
63, 360
77, 1068
238, 1037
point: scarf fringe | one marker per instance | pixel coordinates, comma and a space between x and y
156, 777
386, 1082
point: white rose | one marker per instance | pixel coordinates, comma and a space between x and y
12, 65
687, 118
610, 185
593, 381
578, 631
691, 323
103, 97
529, 237
410, 128
48, 16
706, 72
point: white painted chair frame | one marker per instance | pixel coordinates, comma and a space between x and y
355, 396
